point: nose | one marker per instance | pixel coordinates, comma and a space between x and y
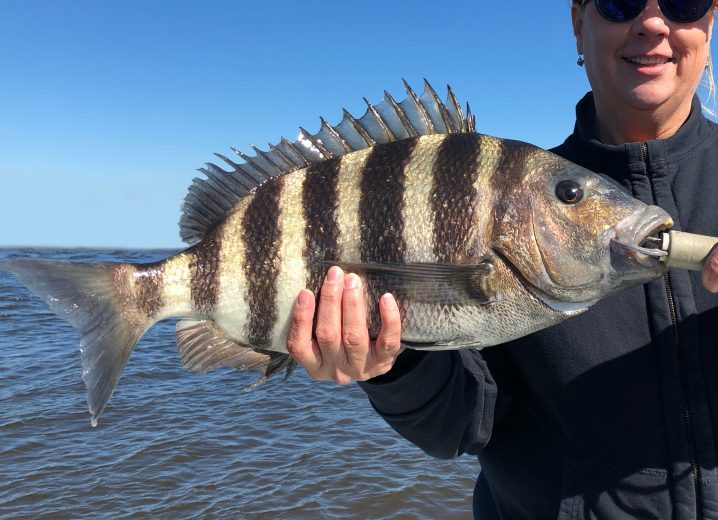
651, 21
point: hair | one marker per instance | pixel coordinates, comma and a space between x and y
710, 84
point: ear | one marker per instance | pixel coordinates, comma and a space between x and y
577, 21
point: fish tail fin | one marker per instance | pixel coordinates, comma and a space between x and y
96, 299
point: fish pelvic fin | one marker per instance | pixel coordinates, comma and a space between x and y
110, 304
204, 346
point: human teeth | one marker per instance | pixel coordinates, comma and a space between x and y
648, 60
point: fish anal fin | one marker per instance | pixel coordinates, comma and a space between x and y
204, 346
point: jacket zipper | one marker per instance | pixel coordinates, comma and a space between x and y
686, 410
695, 470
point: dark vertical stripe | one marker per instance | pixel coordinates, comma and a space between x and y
382, 198
453, 195
204, 271
380, 214
512, 165
140, 290
319, 204
149, 287
261, 236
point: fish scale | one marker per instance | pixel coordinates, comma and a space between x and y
469, 232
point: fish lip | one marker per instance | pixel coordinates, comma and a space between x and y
628, 239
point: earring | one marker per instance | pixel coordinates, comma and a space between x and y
580, 61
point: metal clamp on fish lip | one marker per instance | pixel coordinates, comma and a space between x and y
677, 249
685, 250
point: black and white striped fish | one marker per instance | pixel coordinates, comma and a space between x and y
480, 239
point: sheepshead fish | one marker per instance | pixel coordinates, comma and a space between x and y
480, 239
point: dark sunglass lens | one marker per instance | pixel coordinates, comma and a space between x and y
620, 10
685, 11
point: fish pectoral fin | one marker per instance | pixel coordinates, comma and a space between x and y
204, 346
448, 284
454, 344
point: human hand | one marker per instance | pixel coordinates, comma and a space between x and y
342, 350
710, 271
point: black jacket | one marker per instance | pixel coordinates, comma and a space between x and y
611, 414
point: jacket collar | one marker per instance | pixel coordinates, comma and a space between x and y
591, 152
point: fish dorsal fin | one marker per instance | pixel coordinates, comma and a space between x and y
210, 199
204, 346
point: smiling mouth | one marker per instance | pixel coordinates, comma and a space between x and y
647, 60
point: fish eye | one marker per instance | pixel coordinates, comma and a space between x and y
569, 192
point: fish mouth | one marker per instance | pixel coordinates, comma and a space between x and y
640, 240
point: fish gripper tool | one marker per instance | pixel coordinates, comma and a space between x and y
686, 250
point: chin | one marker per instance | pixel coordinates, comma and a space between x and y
648, 98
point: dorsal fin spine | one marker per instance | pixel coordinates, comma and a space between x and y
210, 200
226, 159
369, 140
458, 123
422, 111
303, 162
402, 115
248, 170
292, 164
267, 158
331, 130
470, 120
254, 164
442, 109
231, 184
380, 121
316, 144
216, 186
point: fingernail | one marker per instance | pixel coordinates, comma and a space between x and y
351, 281
388, 301
303, 300
333, 274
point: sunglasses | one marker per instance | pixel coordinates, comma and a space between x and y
681, 11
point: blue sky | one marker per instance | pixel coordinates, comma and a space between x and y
108, 108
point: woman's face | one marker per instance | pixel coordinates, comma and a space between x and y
644, 63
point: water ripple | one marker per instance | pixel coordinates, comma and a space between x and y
176, 445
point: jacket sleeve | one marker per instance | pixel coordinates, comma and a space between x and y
443, 402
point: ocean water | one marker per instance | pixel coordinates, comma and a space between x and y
172, 444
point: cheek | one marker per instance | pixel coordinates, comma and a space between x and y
583, 229
601, 43
594, 216
693, 47
569, 250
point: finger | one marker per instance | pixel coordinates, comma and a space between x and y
388, 342
299, 339
710, 271
355, 335
329, 317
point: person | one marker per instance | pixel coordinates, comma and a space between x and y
613, 413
